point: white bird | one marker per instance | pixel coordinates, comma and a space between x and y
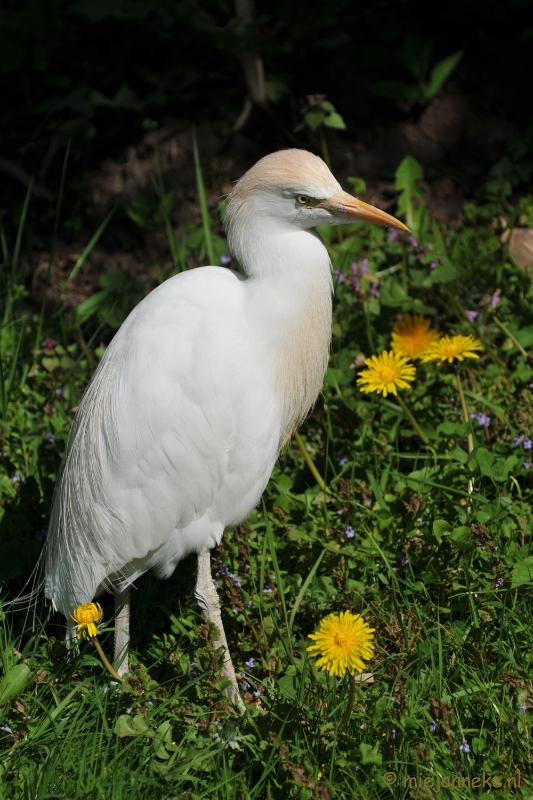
179, 429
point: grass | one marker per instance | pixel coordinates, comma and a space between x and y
431, 543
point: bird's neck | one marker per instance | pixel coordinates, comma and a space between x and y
289, 292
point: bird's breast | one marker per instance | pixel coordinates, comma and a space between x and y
303, 357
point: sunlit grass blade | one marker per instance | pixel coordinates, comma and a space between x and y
175, 250
301, 594
206, 221
88, 248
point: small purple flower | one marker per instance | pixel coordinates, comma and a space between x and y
412, 241
471, 315
50, 344
498, 583
393, 235
224, 570
236, 580
257, 694
527, 464
464, 746
481, 418
268, 590
393, 734
59, 392
246, 685
16, 478
250, 663
216, 584
356, 283
374, 291
50, 436
340, 277
526, 444
404, 561
363, 268
521, 710
433, 265
517, 440
225, 259
495, 299
343, 461
349, 532
433, 726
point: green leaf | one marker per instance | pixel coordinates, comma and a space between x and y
163, 736
370, 755
462, 538
358, 185
485, 460
13, 683
440, 72
50, 364
131, 726
440, 528
407, 175
286, 687
392, 293
522, 572
314, 119
334, 121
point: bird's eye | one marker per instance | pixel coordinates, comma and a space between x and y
303, 199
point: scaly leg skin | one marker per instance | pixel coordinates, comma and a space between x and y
122, 631
209, 602
70, 635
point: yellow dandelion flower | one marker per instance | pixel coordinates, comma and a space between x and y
342, 642
386, 373
87, 616
413, 335
452, 347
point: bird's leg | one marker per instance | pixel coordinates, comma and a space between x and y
70, 634
209, 602
122, 630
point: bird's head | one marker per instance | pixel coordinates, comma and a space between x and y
294, 189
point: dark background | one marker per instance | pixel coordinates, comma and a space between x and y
102, 74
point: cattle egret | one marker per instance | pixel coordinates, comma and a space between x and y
179, 429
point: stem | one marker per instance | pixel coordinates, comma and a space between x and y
309, 461
349, 706
368, 327
324, 147
412, 420
105, 662
505, 329
465, 410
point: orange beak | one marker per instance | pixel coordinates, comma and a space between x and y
350, 208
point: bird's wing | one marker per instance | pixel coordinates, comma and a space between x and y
151, 442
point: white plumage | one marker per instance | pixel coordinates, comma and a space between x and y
177, 434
